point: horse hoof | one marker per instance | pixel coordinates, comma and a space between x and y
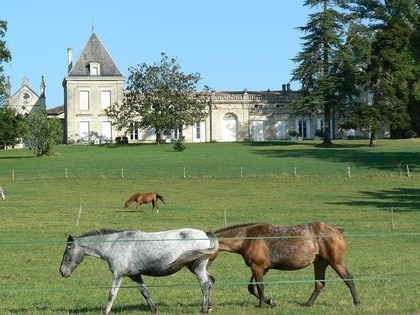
271, 302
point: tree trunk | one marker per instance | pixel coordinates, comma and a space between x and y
372, 142
158, 135
327, 126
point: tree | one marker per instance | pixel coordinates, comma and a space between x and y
392, 70
42, 133
160, 96
11, 127
326, 67
5, 56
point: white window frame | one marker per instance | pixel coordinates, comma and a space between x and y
84, 100
105, 99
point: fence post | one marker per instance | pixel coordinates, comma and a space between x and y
122, 172
13, 175
79, 214
67, 175
392, 218
408, 171
184, 172
295, 174
241, 171
348, 171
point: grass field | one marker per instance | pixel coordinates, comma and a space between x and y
81, 188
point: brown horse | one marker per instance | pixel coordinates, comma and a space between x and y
139, 199
264, 246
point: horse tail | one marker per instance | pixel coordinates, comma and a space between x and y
161, 198
197, 255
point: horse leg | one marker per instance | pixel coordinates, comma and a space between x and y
116, 282
206, 281
348, 280
252, 289
319, 269
144, 291
154, 205
258, 275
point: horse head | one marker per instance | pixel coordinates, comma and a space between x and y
72, 257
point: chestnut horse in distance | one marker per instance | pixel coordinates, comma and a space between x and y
140, 198
264, 246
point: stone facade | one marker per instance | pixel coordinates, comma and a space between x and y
93, 83
25, 99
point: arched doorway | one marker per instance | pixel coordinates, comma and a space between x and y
229, 128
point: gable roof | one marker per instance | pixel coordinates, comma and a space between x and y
94, 51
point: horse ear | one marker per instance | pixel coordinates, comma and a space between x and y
69, 238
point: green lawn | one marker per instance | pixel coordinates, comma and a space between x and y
206, 186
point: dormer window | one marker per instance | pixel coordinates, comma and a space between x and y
95, 68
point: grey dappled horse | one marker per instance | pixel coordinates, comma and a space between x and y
134, 254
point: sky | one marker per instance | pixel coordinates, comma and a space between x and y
233, 44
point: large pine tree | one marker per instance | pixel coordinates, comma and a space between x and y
326, 67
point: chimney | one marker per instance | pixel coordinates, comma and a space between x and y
70, 59
288, 87
283, 87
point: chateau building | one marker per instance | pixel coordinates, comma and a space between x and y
94, 82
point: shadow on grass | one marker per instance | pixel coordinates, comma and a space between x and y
16, 157
360, 155
305, 143
83, 310
399, 199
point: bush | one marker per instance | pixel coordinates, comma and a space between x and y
179, 145
293, 133
123, 140
410, 134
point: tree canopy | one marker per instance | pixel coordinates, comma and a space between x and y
325, 67
360, 46
5, 56
12, 127
393, 68
42, 133
162, 97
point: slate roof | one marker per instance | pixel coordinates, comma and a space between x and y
56, 110
94, 51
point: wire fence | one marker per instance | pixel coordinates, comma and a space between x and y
403, 275
192, 171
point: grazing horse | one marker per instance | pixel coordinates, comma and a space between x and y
264, 246
134, 254
140, 198
3, 196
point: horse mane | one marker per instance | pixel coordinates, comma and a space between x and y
97, 232
134, 197
236, 226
